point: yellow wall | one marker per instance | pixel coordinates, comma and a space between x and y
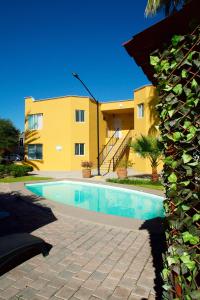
61, 129
145, 125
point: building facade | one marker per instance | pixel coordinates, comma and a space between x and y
61, 132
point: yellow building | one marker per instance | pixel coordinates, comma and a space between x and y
61, 132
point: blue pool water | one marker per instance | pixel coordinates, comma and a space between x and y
101, 198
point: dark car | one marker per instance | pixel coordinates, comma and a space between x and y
11, 158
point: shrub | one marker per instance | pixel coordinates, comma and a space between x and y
2, 171
20, 170
28, 168
14, 170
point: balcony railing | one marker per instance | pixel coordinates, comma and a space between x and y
108, 147
120, 151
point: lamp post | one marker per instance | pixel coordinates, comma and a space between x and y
97, 103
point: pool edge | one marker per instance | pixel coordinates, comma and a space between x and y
152, 225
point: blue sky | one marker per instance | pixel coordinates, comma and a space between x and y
44, 41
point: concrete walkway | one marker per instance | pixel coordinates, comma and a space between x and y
78, 174
88, 260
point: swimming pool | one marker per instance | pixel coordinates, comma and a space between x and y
102, 198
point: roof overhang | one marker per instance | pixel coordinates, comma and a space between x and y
143, 44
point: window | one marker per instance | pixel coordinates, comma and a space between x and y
21, 142
35, 151
79, 149
35, 121
141, 110
80, 116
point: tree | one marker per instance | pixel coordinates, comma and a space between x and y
9, 136
149, 147
169, 6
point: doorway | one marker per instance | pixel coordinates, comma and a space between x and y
117, 125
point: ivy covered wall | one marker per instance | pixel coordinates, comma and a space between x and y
177, 71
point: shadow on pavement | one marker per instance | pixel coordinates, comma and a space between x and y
24, 215
155, 227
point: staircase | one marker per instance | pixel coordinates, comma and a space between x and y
114, 151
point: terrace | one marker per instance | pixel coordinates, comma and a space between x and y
88, 260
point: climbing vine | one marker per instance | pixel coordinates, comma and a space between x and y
177, 73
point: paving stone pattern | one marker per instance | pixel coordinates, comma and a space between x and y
88, 261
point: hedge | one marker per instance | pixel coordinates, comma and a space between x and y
14, 170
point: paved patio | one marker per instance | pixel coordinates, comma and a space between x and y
78, 174
88, 260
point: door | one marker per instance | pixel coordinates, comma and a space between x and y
117, 125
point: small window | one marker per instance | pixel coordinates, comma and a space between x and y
21, 142
35, 151
80, 116
141, 110
35, 121
79, 149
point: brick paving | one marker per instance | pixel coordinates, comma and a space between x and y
88, 261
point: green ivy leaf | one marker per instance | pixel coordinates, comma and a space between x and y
165, 273
174, 164
176, 39
178, 89
184, 73
165, 65
192, 129
173, 186
187, 124
185, 258
177, 136
172, 178
185, 183
190, 55
171, 260
167, 88
171, 112
187, 91
154, 60
193, 164
166, 287
188, 237
190, 136
194, 83
185, 207
196, 217
186, 158
197, 63
173, 64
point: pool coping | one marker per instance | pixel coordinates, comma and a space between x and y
153, 225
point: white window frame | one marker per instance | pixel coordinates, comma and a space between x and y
140, 110
78, 115
79, 149
37, 121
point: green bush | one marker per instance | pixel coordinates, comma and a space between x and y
19, 170
2, 171
14, 170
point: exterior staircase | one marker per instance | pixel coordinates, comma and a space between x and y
113, 151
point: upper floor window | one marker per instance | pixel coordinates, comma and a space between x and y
35, 151
141, 110
80, 115
35, 121
79, 149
